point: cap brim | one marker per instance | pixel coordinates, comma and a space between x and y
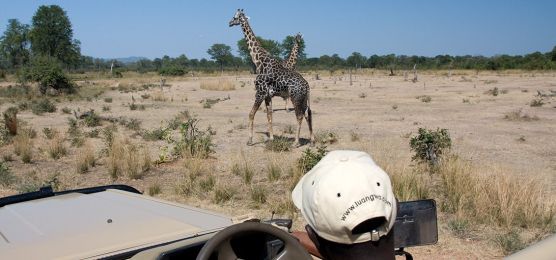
297, 193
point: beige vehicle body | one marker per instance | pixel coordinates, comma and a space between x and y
109, 223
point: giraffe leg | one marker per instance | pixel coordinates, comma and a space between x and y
286, 104
309, 119
268, 103
299, 122
256, 106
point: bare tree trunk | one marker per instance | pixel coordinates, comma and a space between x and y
350, 81
415, 73
111, 66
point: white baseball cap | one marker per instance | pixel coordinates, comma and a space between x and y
345, 189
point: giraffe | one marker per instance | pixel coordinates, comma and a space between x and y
292, 61
274, 80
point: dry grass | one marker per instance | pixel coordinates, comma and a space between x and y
56, 148
258, 194
85, 158
23, 146
243, 168
474, 194
518, 115
217, 85
197, 167
223, 193
159, 96
127, 158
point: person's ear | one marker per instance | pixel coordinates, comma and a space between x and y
312, 235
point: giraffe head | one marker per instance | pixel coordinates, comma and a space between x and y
298, 37
238, 18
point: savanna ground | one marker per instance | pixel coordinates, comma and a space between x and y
495, 190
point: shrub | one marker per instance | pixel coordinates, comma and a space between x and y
85, 159
184, 187
326, 137
154, 189
310, 158
510, 242
105, 108
133, 124
23, 146
108, 99
66, 110
355, 137
493, 91
425, 98
279, 144
207, 183
127, 158
274, 171
171, 71
194, 142
43, 106
243, 169
49, 133
223, 193
429, 145
156, 134
258, 194
49, 74
6, 176
518, 115
538, 102
459, 226
91, 119
56, 148
10, 120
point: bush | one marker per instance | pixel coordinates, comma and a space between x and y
494, 91
10, 120
48, 73
156, 134
510, 242
429, 145
56, 148
279, 144
43, 106
536, 102
6, 176
171, 71
91, 119
310, 158
194, 142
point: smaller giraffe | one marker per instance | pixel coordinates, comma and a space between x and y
291, 62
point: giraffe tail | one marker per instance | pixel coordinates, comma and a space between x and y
310, 117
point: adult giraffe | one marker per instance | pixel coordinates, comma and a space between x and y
274, 80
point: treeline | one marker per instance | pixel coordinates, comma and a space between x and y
48, 43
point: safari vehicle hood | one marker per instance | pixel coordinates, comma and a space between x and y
100, 224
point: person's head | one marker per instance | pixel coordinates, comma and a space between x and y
349, 205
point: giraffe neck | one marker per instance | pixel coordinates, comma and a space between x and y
255, 50
292, 59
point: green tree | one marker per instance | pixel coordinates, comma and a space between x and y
273, 47
47, 71
221, 53
356, 60
553, 54
51, 35
14, 44
287, 45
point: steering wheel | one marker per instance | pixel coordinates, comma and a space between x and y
222, 242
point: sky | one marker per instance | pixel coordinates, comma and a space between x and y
123, 28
